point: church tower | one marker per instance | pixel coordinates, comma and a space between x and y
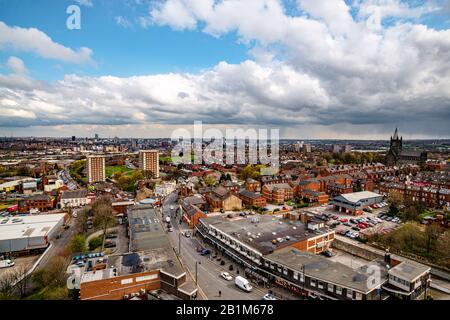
395, 148
396, 144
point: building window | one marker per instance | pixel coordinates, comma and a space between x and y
330, 287
295, 275
320, 285
302, 277
285, 271
338, 290
313, 282
349, 294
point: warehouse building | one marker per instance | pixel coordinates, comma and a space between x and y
355, 202
29, 234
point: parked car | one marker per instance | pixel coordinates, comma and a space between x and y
187, 234
343, 220
335, 217
205, 252
347, 224
110, 244
111, 236
268, 296
226, 276
356, 228
327, 253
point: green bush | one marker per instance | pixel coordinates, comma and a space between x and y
95, 243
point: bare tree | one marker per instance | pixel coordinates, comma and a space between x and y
103, 215
7, 282
23, 280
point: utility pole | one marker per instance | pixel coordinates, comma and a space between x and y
196, 272
179, 242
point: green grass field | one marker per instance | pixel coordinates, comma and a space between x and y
110, 170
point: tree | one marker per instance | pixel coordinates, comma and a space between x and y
103, 215
210, 181
81, 221
7, 282
57, 271
23, 279
395, 200
432, 233
443, 249
78, 244
410, 213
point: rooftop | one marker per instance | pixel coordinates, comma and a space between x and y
324, 269
150, 241
260, 231
29, 226
74, 194
358, 196
409, 270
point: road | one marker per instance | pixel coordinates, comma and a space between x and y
58, 245
209, 280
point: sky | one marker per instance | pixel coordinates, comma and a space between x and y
314, 69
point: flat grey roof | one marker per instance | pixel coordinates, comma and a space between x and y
74, 194
258, 231
323, 269
146, 232
355, 197
409, 270
151, 242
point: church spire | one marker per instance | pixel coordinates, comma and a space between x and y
396, 134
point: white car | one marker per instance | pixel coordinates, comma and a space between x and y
226, 276
268, 296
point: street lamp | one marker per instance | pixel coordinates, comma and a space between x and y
179, 242
196, 272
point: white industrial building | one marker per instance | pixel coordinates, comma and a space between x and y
29, 233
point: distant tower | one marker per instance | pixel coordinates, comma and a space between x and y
96, 168
149, 161
395, 148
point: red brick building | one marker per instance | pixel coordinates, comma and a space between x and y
252, 199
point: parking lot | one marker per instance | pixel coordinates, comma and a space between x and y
353, 226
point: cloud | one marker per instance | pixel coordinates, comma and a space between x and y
86, 3
123, 22
16, 65
36, 41
328, 64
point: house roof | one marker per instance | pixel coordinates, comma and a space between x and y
358, 196
74, 194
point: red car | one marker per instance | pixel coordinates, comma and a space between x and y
361, 226
343, 220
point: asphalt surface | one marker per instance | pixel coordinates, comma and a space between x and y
209, 280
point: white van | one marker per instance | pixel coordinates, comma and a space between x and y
243, 284
6, 263
168, 219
